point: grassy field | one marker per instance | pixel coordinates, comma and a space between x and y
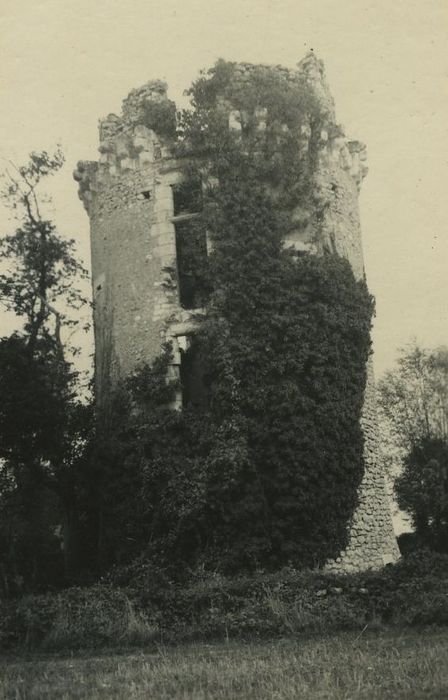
387, 665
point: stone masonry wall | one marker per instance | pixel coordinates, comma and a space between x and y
128, 196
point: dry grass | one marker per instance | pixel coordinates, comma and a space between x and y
128, 627
395, 665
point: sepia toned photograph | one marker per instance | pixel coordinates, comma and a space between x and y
223, 349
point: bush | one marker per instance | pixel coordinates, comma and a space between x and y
161, 117
90, 617
211, 606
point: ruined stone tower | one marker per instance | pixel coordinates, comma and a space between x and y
140, 215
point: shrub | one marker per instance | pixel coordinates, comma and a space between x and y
212, 606
90, 617
161, 117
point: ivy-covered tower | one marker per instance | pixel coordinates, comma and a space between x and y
143, 218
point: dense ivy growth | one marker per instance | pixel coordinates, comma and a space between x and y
268, 472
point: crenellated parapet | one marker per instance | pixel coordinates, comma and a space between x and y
125, 166
131, 147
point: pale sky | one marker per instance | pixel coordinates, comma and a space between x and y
66, 63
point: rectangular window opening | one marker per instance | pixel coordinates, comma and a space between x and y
187, 197
192, 263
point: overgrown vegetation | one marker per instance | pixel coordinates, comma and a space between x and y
268, 473
287, 333
161, 117
206, 522
142, 605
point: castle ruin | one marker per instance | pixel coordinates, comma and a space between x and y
140, 215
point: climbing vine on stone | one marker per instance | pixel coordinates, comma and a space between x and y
268, 473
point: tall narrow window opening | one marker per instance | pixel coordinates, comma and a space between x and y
187, 197
191, 244
192, 264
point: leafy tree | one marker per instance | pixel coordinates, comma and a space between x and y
413, 401
40, 434
422, 491
414, 396
39, 265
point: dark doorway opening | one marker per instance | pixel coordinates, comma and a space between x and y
194, 390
